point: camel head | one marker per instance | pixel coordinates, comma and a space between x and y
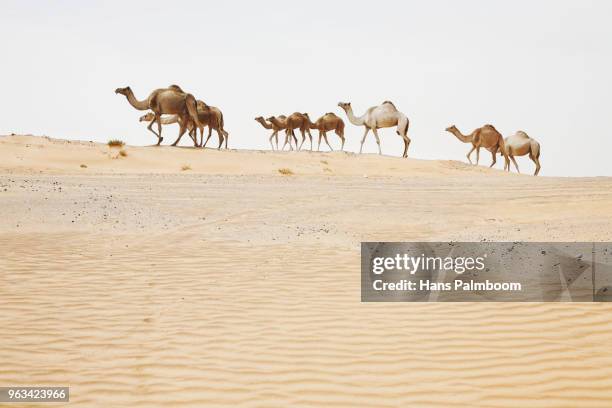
344, 105
270, 118
123, 91
148, 117
260, 118
452, 129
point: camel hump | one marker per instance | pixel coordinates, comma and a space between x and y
520, 133
331, 113
389, 103
176, 87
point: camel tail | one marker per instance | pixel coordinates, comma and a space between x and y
192, 108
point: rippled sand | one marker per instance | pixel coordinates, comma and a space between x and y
194, 289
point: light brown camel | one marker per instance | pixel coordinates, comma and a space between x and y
327, 122
486, 137
384, 115
172, 101
281, 124
300, 121
520, 144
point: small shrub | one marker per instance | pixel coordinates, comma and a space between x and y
285, 172
115, 143
186, 167
83, 166
324, 162
123, 153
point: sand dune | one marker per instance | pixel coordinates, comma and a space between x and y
139, 284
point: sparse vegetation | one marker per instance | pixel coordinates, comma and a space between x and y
285, 172
185, 167
123, 153
324, 162
83, 166
115, 143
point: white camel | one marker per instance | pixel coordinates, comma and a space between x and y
383, 116
520, 144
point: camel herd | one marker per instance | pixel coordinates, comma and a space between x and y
192, 114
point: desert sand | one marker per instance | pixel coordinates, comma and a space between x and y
187, 278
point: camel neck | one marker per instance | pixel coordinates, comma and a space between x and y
352, 118
460, 136
140, 105
264, 123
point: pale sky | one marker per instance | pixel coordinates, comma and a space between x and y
544, 67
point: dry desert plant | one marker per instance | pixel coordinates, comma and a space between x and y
285, 172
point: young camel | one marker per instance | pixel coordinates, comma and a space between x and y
328, 122
520, 144
172, 101
377, 117
281, 124
487, 137
169, 120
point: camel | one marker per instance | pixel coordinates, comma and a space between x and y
520, 144
328, 122
300, 121
280, 124
383, 116
172, 101
487, 137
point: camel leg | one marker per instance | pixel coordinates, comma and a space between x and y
271, 144
477, 155
150, 127
406, 145
515, 165
375, 131
182, 131
294, 139
470, 154
536, 160
208, 137
494, 158
319, 144
286, 140
276, 138
327, 141
226, 134
341, 136
310, 137
363, 139
221, 139
303, 140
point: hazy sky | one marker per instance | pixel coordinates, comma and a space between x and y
544, 67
